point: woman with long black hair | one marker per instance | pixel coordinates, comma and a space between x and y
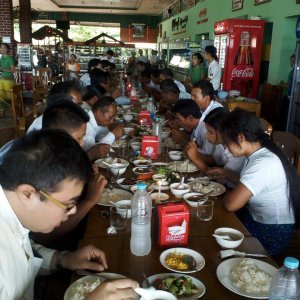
266, 199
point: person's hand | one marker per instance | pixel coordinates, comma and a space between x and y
192, 150
88, 257
116, 92
117, 130
176, 136
103, 149
216, 173
95, 188
115, 290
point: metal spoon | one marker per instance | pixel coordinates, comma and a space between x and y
224, 237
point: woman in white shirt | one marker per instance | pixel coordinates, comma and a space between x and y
225, 167
266, 199
214, 70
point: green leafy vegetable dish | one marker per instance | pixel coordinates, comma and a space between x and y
163, 170
178, 286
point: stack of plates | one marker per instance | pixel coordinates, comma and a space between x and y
234, 93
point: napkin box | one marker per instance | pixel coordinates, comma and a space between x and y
145, 118
150, 146
173, 224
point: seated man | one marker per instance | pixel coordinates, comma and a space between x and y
92, 95
85, 79
203, 95
41, 179
70, 90
167, 73
101, 132
187, 116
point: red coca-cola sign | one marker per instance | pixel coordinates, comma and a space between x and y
220, 28
242, 73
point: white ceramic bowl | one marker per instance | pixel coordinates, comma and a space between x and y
163, 197
179, 192
127, 106
136, 146
126, 203
159, 177
175, 155
128, 117
145, 163
229, 244
119, 171
127, 130
119, 167
165, 134
192, 203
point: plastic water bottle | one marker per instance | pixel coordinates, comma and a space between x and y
151, 108
285, 284
157, 130
141, 210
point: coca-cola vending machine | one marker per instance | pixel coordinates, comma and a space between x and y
239, 47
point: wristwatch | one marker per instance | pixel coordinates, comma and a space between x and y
59, 259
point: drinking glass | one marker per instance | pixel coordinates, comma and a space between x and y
205, 209
118, 217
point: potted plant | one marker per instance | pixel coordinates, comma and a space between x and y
4, 106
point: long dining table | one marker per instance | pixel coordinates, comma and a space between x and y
122, 261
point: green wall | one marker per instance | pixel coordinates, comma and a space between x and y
282, 13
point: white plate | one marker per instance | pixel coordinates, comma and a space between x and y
99, 162
218, 188
114, 195
199, 285
200, 261
135, 171
80, 284
180, 167
223, 274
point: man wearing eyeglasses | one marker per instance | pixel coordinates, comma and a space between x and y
41, 179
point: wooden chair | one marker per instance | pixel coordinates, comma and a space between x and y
7, 134
254, 107
17, 105
40, 91
24, 123
44, 75
266, 126
290, 145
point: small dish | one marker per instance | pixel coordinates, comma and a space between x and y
237, 237
122, 183
191, 198
128, 117
175, 155
159, 197
142, 163
159, 177
179, 192
139, 170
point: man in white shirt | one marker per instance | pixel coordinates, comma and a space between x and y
109, 56
101, 132
142, 57
214, 70
61, 91
167, 73
85, 78
42, 177
203, 93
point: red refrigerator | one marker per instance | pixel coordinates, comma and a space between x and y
239, 47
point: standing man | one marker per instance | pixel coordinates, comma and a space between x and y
214, 69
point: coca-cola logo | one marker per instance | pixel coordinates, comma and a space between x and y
175, 238
220, 27
242, 73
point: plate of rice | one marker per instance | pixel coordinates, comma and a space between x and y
246, 277
82, 287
